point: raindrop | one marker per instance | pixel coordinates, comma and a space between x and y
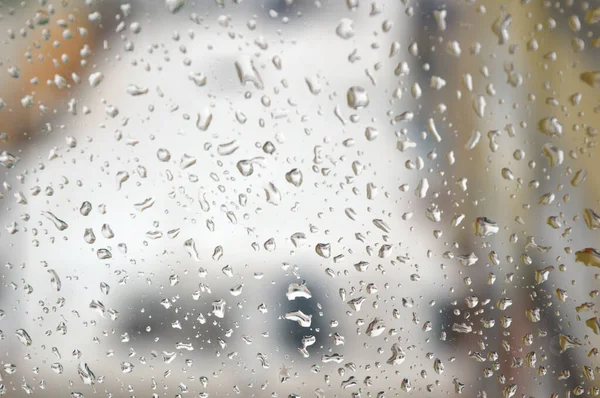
8, 160
247, 72
345, 29
303, 319
163, 155
23, 337
294, 177
58, 223
54, 280
85, 209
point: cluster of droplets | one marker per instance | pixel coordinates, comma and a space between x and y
512, 329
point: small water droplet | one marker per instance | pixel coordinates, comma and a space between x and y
23, 337
345, 29
163, 155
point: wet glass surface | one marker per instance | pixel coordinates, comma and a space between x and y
294, 198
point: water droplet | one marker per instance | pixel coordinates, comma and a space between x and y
85, 209
422, 188
54, 280
591, 78
121, 177
89, 236
198, 78
554, 155
174, 5
345, 29
594, 324
58, 223
247, 72
228, 148
375, 328
323, 250
163, 155
23, 337
104, 254
297, 238
273, 194
533, 314
579, 177
57, 368
592, 219
479, 104
357, 97
303, 319
550, 126
298, 290
484, 227
461, 328
135, 91
500, 28
219, 308
41, 17
8, 160
187, 161
294, 177
204, 119
218, 253
104, 288
590, 257
398, 355
127, 367
567, 342
107, 232
86, 375
190, 246
146, 204
96, 78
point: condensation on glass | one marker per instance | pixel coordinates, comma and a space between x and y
295, 198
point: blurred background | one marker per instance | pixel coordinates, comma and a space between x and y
299, 198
